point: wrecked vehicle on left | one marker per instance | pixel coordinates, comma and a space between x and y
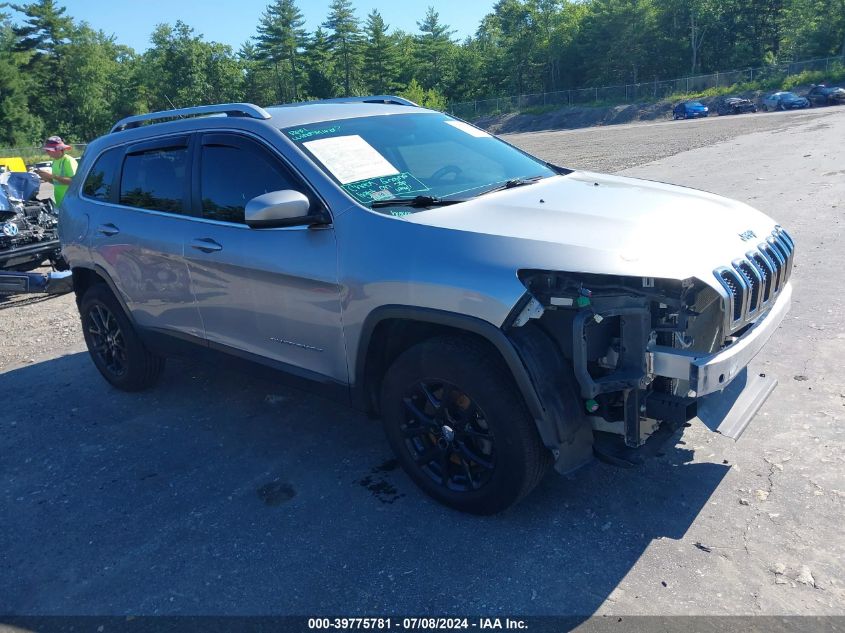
28, 226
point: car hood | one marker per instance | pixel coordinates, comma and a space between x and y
595, 223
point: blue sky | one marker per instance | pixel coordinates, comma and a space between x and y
234, 22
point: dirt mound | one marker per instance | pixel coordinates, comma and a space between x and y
569, 118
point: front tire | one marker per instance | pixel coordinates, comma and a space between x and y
114, 345
459, 426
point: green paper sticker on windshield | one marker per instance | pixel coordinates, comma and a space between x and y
385, 188
303, 133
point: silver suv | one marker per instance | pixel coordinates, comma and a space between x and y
499, 313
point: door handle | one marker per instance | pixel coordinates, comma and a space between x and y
108, 230
206, 245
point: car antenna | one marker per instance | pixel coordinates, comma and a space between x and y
172, 107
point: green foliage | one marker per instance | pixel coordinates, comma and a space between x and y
279, 44
381, 58
433, 51
344, 43
319, 63
42, 41
835, 74
58, 76
427, 98
182, 69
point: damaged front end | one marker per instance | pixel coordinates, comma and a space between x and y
28, 226
644, 356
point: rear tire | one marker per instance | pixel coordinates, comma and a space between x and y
459, 426
114, 345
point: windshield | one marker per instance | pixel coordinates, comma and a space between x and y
411, 156
695, 104
788, 95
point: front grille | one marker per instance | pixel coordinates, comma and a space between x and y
755, 281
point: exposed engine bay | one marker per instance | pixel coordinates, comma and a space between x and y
28, 226
649, 354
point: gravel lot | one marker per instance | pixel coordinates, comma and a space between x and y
222, 492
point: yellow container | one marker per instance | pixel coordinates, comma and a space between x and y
14, 163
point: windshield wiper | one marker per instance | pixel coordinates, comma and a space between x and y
510, 184
418, 201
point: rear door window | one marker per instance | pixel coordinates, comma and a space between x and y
156, 179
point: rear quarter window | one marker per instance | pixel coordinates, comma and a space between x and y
99, 183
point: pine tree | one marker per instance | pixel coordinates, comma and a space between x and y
43, 37
319, 66
17, 126
380, 56
345, 41
259, 80
279, 43
434, 46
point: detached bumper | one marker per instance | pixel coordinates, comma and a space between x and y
729, 412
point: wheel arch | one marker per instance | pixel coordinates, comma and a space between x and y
85, 277
404, 326
551, 399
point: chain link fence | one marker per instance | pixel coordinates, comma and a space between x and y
630, 93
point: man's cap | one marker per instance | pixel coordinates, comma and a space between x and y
55, 143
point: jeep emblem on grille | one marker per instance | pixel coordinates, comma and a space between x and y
747, 235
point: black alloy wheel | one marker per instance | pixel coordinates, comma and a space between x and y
108, 343
114, 345
448, 436
459, 427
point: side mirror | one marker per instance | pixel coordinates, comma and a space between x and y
280, 208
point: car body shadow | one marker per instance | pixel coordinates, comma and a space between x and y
224, 492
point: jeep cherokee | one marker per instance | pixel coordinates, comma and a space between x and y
499, 313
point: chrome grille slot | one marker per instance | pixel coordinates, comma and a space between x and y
767, 273
778, 262
752, 278
730, 280
789, 248
779, 247
755, 281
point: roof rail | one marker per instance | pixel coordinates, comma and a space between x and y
229, 109
385, 99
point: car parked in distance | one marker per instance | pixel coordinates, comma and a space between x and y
690, 110
784, 101
822, 95
735, 105
501, 314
